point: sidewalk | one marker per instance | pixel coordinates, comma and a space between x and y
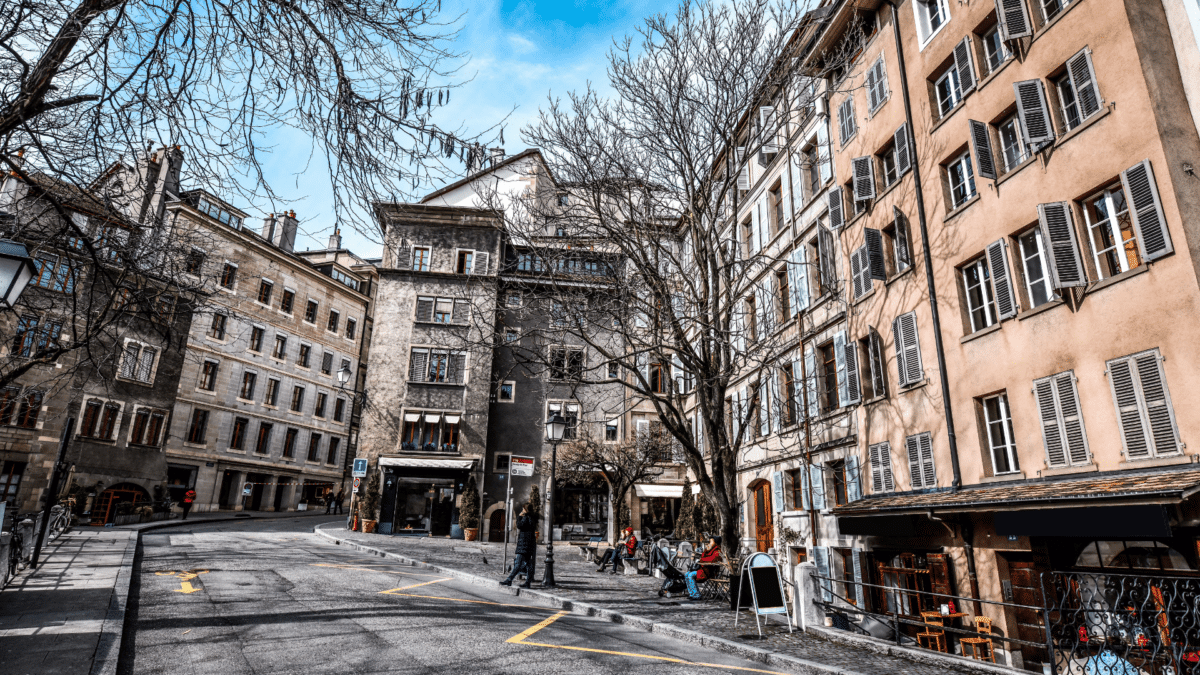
67, 615
636, 598
218, 516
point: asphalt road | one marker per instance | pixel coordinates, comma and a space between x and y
268, 596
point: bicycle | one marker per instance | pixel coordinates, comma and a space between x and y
15, 563
60, 518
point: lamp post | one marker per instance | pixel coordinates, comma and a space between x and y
555, 427
16, 271
357, 398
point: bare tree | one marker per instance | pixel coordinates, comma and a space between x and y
620, 465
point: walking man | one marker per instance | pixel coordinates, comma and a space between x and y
188, 498
337, 501
328, 501
526, 548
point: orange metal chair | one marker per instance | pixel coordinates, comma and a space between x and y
933, 637
982, 625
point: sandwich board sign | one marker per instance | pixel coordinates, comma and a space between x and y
360, 468
521, 466
766, 588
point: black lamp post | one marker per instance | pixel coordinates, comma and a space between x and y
555, 427
16, 271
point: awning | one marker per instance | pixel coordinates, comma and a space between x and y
412, 417
432, 418
1139, 521
658, 490
424, 463
1166, 487
452, 419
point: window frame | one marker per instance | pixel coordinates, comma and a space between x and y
266, 287
197, 433
924, 21
209, 371
1008, 444
422, 257
954, 93
1027, 281
967, 175
1111, 223
987, 306
512, 390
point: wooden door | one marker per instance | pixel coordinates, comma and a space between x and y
764, 538
1027, 590
496, 526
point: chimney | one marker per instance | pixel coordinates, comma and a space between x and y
170, 161
285, 231
335, 239
268, 231
497, 156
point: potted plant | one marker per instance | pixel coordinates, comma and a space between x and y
368, 504
468, 510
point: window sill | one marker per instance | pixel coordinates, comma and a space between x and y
958, 210
981, 332
915, 386
1173, 460
441, 384
245, 400
897, 275
297, 413
89, 439
1044, 307
138, 382
1118, 278
235, 452
886, 98
1004, 477
876, 399
198, 446
1083, 126
992, 75
949, 113
1015, 170
206, 392
1068, 470
1050, 24
887, 188
846, 142
865, 296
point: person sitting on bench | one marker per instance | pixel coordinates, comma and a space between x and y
710, 555
624, 550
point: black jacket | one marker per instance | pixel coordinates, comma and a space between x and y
526, 538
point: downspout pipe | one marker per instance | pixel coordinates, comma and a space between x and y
933, 304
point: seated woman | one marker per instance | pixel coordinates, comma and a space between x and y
707, 569
622, 551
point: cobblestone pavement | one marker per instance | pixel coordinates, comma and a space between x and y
638, 595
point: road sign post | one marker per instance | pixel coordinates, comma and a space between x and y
360, 468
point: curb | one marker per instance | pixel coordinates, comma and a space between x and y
112, 631
758, 654
887, 648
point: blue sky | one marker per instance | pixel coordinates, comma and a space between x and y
519, 52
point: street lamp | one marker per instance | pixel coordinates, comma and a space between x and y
16, 271
556, 426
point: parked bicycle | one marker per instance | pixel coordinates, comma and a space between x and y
60, 518
15, 562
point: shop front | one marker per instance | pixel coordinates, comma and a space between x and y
420, 495
658, 509
581, 510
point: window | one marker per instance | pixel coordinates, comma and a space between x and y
10, 482
304, 356
847, 125
217, 330
962, 180
570, 412
994, 52
319, 410
248, 381
827, 377
193, 263
297, 398
442, 310
512, 299
566, 364
800, 492
1012, 143
977, 288
314, 447
502, 464
137, 362
920, 461
237, 440
54, 273
332, 453
787, 393
1078, 97
782, 297
208, 375
1110, 231
262, 445
897, 254
860, 272
256, 338
147, 427
1063, 432
280, 347
506, 392
874, 381
272, 392
264, 291
614, 370
1033, 263
439, 366
908, 350
887, 165
421, 257
882, 479
351, 328
289, 443
511, 335
1051, 8
100, 420
334, 317
775, 202
838, 478
228, 276
463, 264
1144, 410
931, 16
812, 166
877, 88
1000, 435
30, 409
310, 311
339, 409
948, 90
285, 303
198, 429
748, 237
327, 363
612, 431
8, 403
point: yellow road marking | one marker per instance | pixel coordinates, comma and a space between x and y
186, 587
185, 583
426, 583
473, 602
519, 637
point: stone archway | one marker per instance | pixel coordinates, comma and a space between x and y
107, 506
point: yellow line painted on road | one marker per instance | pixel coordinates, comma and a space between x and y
405, 588
185, 583
186, 587
533, 629
473, 602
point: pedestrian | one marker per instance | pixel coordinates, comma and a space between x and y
706, 569
188, 498
624, 550
338, 501
526, 548
328, 501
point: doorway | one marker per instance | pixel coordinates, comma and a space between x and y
1025, 581
496, 526
279, 487
258, 484
764, 537
225, 499
107, 504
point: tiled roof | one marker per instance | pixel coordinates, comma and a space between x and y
1171, 484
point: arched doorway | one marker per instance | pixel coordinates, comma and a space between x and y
108, 507
496, 526
764, 537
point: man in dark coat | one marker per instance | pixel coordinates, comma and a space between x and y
526, 548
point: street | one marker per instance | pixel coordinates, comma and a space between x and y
267, 596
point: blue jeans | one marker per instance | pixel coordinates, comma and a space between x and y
523, 562
693, 591
614, 555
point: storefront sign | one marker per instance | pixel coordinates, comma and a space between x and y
521, 466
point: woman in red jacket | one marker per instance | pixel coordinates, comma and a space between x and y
708, 557
624, 550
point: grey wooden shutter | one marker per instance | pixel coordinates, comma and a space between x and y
875, 357
1154, 240
785, 197
1006, 302
766, 120
1156, 401
821, 556
836, 216
856, 273
404, 256
981, 143
856, 560
461, 313
1052, 434
818, 487
876, 468
853, 373
776, 401
766, 310
853, 479
425, 309
777, 490
797, 392
456, 367
874, 246
764, 221
872, 97
764, 412
798, 279
898, 338
755, 241
483, 261
846, 120
1033, 112
881, 468
810, 381
864, 179
798, 183
743, 179
903, 248
1083, 79
825, 262
805, 501
1058, 234
839, 358
912, 445
1129, 414
1014, 20
964, 65
417, 365
903, 154
1072, 417
925, 441
908, 348
824, 153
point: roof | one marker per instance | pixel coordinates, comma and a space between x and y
528, 152
75, 197
1171, 485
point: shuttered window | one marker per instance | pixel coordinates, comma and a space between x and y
873, 243
836, 213
961, 179
860, 272
903, 155
1079, 97
877, 88
1033, 112
981, 145
1154, 240
948, 90
964, 65
881, 468
1063, 433
977, 288
1144, 410
1014, 19
875, 360
919, 448
864, 178
847, 125
849, 384
1058, 235
908, 349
